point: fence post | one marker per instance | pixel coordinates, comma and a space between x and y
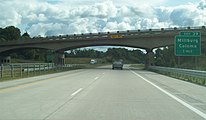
21, 70
34, 69
12, 71
2, 70
39, 69
44, 67
27, 69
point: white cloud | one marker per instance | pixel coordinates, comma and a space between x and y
202, 5
84, 16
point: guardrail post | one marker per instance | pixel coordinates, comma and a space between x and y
2, 70
21, 70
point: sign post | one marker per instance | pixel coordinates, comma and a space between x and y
188, 44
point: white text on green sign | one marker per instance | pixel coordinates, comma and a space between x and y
187, 46
194, 33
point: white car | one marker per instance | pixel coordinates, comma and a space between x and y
93, 61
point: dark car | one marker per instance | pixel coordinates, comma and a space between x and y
118, 65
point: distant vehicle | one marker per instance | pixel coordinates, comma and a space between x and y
93, 61
117, 64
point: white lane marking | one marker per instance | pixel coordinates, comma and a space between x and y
96, 78
80, 89
174, 97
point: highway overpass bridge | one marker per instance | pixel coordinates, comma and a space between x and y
144, 39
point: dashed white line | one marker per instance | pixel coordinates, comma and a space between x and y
96, 78
174, 97
80, 89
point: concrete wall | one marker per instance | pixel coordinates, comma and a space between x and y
5, 60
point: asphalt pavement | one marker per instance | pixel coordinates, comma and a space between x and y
102, 94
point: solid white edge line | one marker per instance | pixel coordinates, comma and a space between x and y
80, 89
174, 97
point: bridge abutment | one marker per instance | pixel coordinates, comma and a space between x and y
149, 58
59, 58
5, 59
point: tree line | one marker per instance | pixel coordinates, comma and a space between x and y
112, 54
12, 33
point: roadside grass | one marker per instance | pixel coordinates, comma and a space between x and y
77, 60
195, 80
84, 60
138, 66
25, 61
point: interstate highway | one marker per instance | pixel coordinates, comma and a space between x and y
102, 94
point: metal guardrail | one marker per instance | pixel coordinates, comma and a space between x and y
192, 73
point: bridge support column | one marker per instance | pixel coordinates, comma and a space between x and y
5, 59
60, 58
149, 58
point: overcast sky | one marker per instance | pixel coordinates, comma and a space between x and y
54, 17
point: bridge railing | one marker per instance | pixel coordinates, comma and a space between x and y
195, 76
8, 71
100, 35
123, 33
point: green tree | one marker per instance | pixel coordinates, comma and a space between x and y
25, 36
11, 33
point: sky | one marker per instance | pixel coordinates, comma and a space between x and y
60, 17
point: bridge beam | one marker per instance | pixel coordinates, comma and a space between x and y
149, 58
59, 58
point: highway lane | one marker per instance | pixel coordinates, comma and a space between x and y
102, 94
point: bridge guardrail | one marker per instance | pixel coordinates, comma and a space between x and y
194, 76
124, 33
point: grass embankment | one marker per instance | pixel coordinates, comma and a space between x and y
196, 80
138, 66
188, 78
83, 61
25, 61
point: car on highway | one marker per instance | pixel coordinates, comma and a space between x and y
93, 61
117, 64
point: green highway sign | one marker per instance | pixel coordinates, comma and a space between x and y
50, 56
183, 33
188, 45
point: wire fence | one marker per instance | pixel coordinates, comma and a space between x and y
10, 71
